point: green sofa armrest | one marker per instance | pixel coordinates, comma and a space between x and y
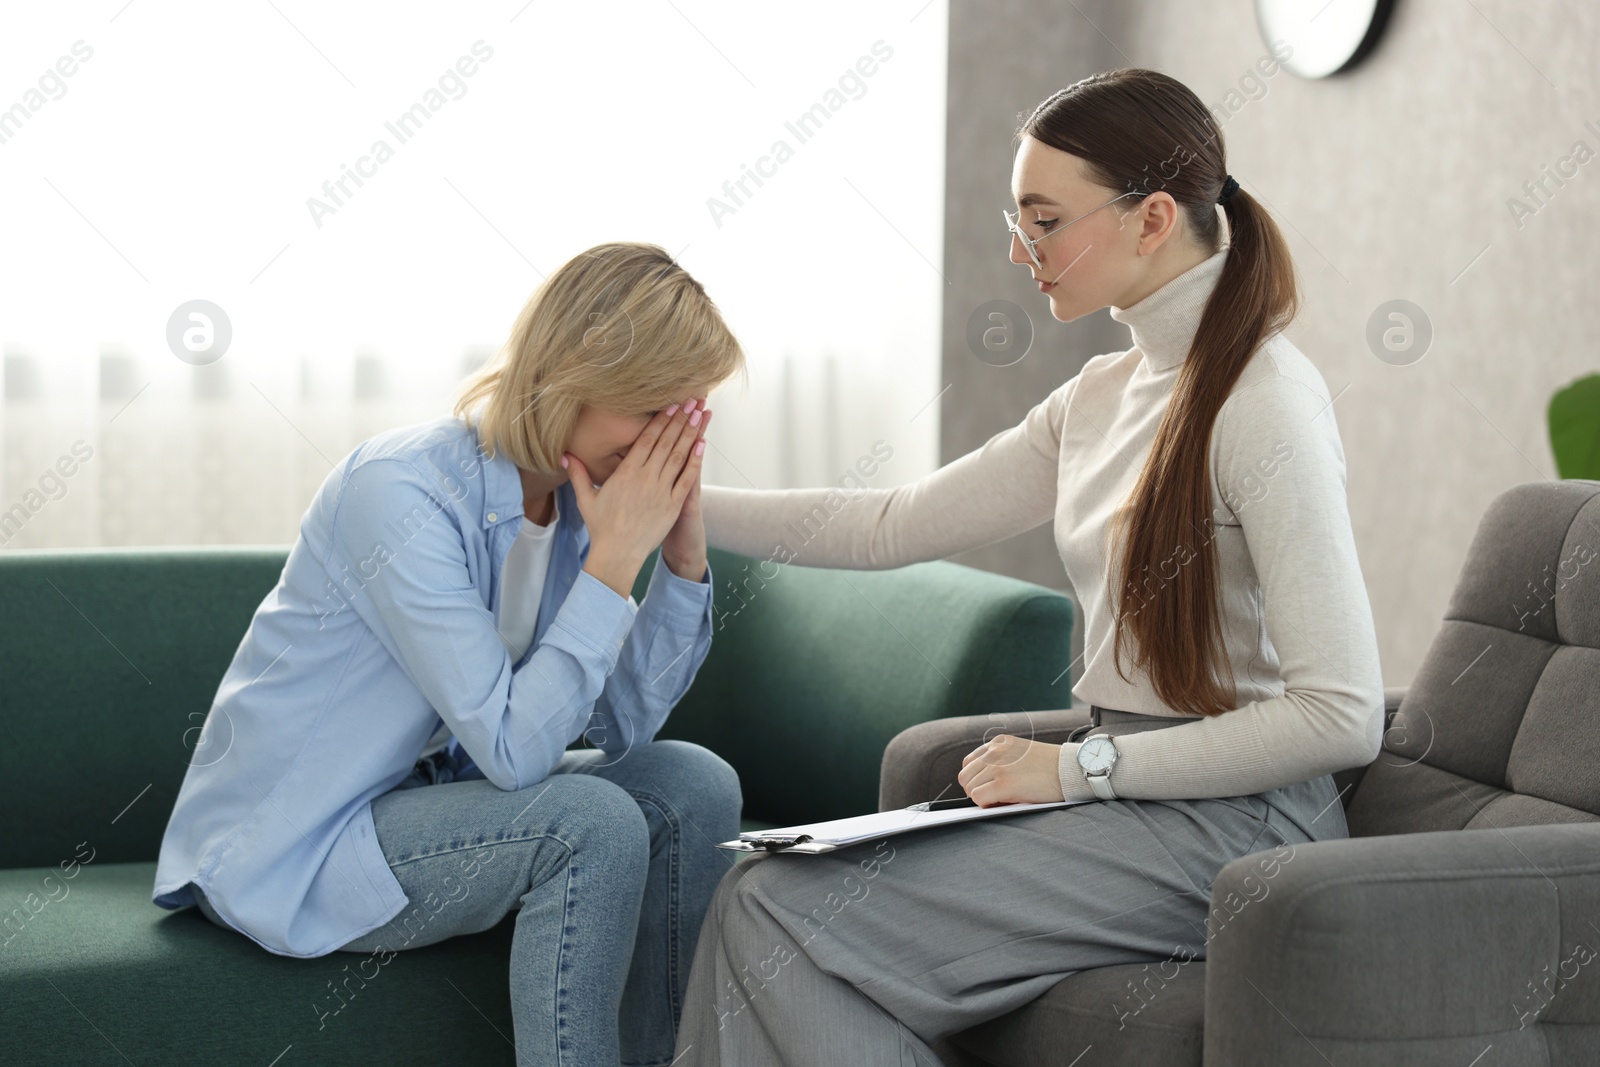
812, 671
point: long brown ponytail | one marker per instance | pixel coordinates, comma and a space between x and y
1141, 130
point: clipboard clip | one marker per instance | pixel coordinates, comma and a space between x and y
943, 805
778, 843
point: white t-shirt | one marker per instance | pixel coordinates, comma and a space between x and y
521, 590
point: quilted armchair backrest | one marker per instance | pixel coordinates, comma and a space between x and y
1501, 726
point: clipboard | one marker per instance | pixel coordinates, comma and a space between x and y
811, 838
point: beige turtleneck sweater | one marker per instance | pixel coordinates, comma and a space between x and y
1293, 606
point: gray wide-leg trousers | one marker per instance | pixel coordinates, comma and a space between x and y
870, 954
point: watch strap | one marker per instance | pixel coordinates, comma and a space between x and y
1101, 784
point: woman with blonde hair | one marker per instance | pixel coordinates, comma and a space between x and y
387, 762
1196, 484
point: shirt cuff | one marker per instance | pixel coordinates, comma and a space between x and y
1074, 786
685, 605
597, 615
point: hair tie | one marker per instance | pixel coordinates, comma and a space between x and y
1229, 187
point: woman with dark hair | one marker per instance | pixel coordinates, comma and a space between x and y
1196, 484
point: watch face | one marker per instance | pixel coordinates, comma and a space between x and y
1096, 755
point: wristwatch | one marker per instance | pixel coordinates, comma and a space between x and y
1097, 755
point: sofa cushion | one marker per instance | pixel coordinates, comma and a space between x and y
89, 961
86, 975
1132, 1014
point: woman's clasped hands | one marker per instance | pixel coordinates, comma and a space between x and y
652, 498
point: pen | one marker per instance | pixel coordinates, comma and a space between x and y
941, 805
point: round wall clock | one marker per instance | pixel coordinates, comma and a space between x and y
1323, 36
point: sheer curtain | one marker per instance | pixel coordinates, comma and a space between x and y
359, 200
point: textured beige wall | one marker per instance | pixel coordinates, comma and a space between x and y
1391, 180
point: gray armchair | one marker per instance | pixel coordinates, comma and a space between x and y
1460, 920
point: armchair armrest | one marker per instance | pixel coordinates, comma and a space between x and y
1350, 777
1421, 948
921, 762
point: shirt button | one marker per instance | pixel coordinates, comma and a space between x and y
493, 517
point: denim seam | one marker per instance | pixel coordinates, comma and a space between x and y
674, 875
567, 930
474, 846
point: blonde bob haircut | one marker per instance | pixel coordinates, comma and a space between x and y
621, 327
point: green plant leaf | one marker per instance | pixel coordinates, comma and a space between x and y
1575, 428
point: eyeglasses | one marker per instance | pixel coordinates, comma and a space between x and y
1029, 242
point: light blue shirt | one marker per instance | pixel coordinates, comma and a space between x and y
381, 627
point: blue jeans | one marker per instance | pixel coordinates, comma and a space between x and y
610, 864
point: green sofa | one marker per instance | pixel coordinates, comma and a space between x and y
109, 663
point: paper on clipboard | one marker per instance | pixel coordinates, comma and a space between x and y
836, 833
